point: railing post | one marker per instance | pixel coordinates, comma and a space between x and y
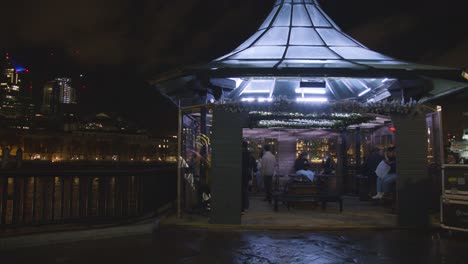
53, 199
34, 211
4, 199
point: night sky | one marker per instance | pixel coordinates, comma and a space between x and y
119, 44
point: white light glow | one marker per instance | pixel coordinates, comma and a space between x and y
237, 80
262, 100
385, 80
364, 92
250, 99
311, 90
255, 91
313, 100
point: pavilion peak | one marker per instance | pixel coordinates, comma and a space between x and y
300, 32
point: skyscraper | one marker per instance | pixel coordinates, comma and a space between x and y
15, 95
58, 95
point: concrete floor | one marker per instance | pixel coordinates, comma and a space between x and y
174, 245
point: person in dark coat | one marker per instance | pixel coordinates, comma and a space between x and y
302, 163
370, 165
248, 165
327, 163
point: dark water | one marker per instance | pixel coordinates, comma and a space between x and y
189, 246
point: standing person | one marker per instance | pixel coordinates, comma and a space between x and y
384, 183
5, 156
258, 174
268, 169
19, 157
370, 166
248, 165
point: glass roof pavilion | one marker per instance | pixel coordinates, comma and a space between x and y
300, 53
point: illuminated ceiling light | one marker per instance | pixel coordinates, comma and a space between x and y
311, 90
255, 91
312, 100
262, 100
249, 99
364, 92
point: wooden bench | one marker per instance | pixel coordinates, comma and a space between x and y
319, 197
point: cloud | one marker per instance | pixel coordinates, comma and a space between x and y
455, 57
383, 30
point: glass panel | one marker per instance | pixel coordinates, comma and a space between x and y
357, 53
286, 88
300, 16
305, 36
317, 18
340, 88
244, 45
258, 87
318, 64
298, 1
284, 16
251, 40
278, 2
261, 52
333, 37
274, 36
267, 21
304, 52
251, 63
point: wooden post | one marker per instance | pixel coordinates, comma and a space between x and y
358, 150
413, 179
179, 166
226, 167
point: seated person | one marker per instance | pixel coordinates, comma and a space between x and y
385, 182
302, 166
327, 163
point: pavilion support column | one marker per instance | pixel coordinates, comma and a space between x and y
226, 167
358, 150
413, 179
341, 164
344, 160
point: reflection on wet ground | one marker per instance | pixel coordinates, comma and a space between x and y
201, 246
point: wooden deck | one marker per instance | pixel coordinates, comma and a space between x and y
355, 214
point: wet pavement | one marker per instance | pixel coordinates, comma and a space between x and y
170, 245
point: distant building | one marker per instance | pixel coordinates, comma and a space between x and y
15, 94
58, 97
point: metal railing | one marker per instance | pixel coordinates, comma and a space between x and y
31, 197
